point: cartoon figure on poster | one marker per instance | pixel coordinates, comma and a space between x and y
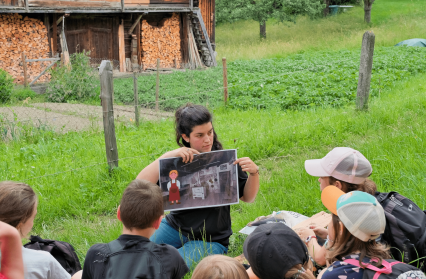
173, 186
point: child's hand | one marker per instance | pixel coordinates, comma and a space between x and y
304, 233
321, 232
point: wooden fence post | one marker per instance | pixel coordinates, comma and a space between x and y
157, 89
24, 65
365, 68
135, 91
225, 81
105, 73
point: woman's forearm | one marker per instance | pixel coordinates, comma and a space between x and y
251, 188
150, 172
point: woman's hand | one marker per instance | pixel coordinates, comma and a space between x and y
186, 153
247, 165
319, 231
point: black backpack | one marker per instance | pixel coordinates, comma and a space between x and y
405, 229
391, 269
130, 262
62, 251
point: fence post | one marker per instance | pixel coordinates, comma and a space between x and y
135, 91
365, 68
24, 65
225, 81
157, 89
105, 73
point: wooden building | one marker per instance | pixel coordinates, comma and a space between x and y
132, 33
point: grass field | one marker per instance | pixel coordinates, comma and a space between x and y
78, 197
392, 21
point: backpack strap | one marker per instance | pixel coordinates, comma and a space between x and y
387, 269
114, 246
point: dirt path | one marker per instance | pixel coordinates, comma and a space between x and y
72, 117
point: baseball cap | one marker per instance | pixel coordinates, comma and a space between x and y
272, 249
360, 212
343, 163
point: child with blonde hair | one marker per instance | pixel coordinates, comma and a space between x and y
219, 267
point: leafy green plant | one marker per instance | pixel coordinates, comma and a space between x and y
20, 94
6, 86
300, 81
76, 83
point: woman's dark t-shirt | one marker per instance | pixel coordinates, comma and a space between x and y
212, 224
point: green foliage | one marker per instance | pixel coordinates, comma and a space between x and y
262, 10
311, 79
80, 83
20, 94
317, 79
200, 87
6, 86
78, 205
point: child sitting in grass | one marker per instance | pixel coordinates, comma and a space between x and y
346, 169
275, 251
18, 208
219, 267
358, 219
133, 255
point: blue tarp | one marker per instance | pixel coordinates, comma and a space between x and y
413, 42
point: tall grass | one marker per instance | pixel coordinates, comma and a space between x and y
76, 205
392, 21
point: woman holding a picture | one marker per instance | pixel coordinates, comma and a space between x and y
202, 231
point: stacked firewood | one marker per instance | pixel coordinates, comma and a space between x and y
162, 42
23, 34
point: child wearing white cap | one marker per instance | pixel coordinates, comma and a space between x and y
346, 169
358, 219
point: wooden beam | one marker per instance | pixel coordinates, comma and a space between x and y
55, 35
47, 24
42, 59
42, 73
24, 65
121, 47
122, 6
134, 24
138, 38
107, 89
27, 8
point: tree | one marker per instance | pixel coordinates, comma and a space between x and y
367, 10
262, 10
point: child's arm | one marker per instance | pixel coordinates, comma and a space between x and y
316, 251
12, 265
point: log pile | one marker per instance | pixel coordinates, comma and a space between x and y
23, 34
162, 42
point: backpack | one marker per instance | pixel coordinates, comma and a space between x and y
130, 262
62, 251
405, 230
392, 269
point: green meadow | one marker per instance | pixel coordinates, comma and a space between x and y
78, 196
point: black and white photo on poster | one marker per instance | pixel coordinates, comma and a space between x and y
211, 179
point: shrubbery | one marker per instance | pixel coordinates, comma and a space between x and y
6, 86
76, 84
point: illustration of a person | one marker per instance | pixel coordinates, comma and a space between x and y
173, 186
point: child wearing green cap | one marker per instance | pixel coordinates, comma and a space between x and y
358, 219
